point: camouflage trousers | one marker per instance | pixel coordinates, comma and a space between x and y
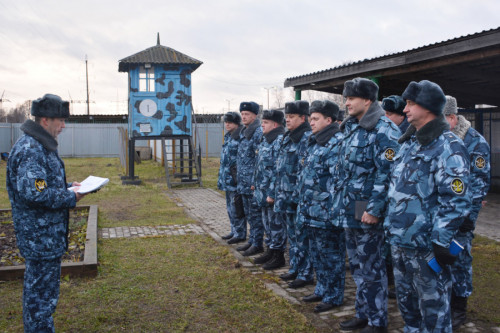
327, 248
461, 270
367, 265
423, 295
303, 256
288, 220
40, 294
274, 228
253, 215
238, 225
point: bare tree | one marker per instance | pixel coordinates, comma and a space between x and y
19, 114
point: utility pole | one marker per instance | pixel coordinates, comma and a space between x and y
87, 79
268, 95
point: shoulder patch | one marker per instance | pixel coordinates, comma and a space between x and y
389, 154
480, 162
40, 184
457, 186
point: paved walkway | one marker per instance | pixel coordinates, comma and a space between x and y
208, 207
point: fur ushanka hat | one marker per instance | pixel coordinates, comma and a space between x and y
297, 107
327, 108
426, 94
274, 115
232, 117
250, 106
394, 104
361, 87
451, 106
51, 106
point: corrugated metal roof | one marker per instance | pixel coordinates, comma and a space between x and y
158, 54
453, 40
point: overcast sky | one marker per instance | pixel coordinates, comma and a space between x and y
245, 46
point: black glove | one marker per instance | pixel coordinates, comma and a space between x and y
233, 172
442, 255
293, 206
467, 225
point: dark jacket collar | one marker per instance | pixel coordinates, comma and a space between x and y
298, 133
236, 133
323, 136
370, 118
428, 132
272, 135
250, 130
40, 134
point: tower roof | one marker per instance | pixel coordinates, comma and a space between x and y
158, 55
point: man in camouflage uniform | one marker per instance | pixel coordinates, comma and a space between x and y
360, 197
40, 199
288, 166
393, 107
228, 174
479, 155
428, 201
265, 178
326, 241
250, 137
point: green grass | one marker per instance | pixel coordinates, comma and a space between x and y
168, 284
157, 284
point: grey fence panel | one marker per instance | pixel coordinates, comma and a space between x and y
103, 140
9, 133
210, 138
90, 140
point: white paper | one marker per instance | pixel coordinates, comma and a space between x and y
90, 184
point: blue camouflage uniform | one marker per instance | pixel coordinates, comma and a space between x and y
36, 183
326, 241
428, 200
404, 125
227, 181
265, 179
479, 154
288, 166
365, 158
247, 157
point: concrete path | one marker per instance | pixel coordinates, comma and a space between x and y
208, 208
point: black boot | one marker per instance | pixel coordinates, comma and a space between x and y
277, 261
458, 311
265, 257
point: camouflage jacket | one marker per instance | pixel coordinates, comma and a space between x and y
363, 170
247, 156
312, 189
429, 189
265, 170
293, 151
36, 183
479, 154
228, 157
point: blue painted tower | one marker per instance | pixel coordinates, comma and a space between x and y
160, 102
160, 108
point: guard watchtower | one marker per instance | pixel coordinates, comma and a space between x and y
160, 107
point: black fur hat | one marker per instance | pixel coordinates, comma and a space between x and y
232, 117
297, 107
274, 115
426, 94
327, 108
51, 106
394, 103
341, 115
250, 106
361, 87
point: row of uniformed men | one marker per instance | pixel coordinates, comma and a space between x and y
328, 188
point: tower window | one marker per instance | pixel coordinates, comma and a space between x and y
146, 78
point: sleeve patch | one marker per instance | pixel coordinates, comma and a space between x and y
389, 154
40, 185
457, 186
480, 162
